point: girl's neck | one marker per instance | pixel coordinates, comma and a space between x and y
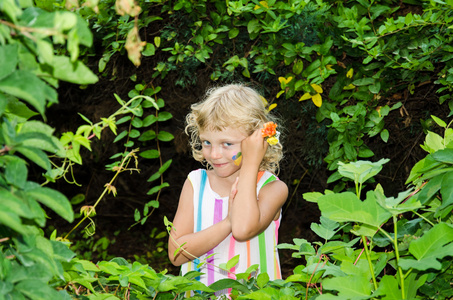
221, 185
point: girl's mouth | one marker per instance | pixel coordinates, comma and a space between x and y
219, 165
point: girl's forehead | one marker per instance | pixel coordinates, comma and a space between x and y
227, 132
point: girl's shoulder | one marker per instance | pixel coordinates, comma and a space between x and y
266, 177
196, 175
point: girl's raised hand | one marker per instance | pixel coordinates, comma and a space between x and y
254, 148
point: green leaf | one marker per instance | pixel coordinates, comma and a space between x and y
147, 135
446, 190
262, 279
17, 109
123, 120
136, 215
157, 188
444, 156
439, 121
430, 248
150, 50
388, 288
312, 196
229, 283
433, 142
61, 251
165, 136
154, 177
53, 199
361, 171
233, 33
164, 116
136, 122
232, 262
346, 207
75, 72
11, 220
153, 203
363, 81
36, 290
385, 135
150, 154
149, 120
16, 172
35, 155
348, 287
253, 26
13, 204
8, 59
326, 229
165, 166
120, 136
429, 190
29, 87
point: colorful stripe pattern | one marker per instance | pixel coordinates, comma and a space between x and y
210, 208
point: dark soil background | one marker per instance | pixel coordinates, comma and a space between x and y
304, 142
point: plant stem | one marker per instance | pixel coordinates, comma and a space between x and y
120, 169
368, 257
397, 255
428, 221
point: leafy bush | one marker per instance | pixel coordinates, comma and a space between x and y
296, 49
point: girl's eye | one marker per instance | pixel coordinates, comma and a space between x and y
227, 144
206, 143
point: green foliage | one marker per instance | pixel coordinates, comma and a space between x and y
293, 48
28, 78
409, 236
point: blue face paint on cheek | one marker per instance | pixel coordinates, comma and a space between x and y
237, 158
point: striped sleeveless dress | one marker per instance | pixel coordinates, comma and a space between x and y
210, 208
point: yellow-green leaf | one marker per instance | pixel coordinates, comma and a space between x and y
317, 88
317, 100
305, 96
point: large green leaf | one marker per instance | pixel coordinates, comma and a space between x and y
52, 199
8, 59
229, 283
361, 171
27, 86
446, 189
37, 290
17, 109
75, 72
14, 204
429, 190
430, 248
326, 229
11, 220
36, 155
444, 156
16, 172
394, 205
346, 207
61, 251
388, 288
41, 137
349, 287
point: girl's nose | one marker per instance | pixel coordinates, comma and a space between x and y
216, 153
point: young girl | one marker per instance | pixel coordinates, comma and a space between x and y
234, 207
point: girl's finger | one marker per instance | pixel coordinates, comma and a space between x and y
234, 188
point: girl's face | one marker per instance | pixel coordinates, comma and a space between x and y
219, 147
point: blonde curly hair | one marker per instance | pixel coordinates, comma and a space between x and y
236, 106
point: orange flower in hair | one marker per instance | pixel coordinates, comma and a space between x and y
270, 133
269, 129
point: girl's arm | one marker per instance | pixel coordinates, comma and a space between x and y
250, 217
197, 243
